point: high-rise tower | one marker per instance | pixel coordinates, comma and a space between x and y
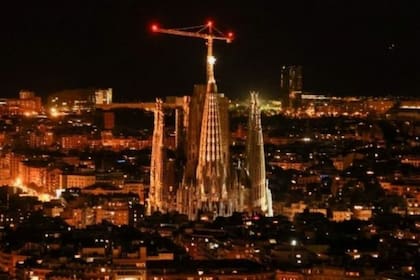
291, 85
261, 201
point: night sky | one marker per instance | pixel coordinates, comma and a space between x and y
345, 47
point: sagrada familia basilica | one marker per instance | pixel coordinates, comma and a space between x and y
209, 183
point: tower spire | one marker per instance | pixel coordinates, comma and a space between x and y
156, 202
255, 164
211, 60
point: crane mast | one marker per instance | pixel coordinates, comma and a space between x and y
197, 32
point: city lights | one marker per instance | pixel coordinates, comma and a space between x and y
298, 158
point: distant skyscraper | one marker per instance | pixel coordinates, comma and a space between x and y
291, 85
103, 96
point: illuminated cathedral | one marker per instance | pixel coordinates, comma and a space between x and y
210, 184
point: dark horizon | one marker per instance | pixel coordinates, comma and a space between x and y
352, 48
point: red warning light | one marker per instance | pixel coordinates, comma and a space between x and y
229, 37
154, 27
210, 23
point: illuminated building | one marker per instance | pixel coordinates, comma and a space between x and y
115, 213
318, 105
38, 139
362, 213
211, 192
76, 180
209, 270
53, 180
75, 141
413, 160
292, 210
72, 101
103, 96
341, 215
5, 169
209, 185
119, 143
27, 104
181, 118
261, 200
289, 275
156, 201
15, 160
33, 172
9, 260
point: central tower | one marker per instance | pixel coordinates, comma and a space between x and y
211, 174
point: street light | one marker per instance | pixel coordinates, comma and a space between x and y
293, 243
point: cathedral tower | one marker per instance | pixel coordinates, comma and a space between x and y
261, 201
211, 191
156, 200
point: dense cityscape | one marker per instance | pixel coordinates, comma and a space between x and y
306, 185
90, 193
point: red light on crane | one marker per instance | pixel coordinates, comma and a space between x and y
229, 37
154, 27
210, 23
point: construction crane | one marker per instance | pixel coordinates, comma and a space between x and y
200, 32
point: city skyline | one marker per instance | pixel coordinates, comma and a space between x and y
345, 49
195, 186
